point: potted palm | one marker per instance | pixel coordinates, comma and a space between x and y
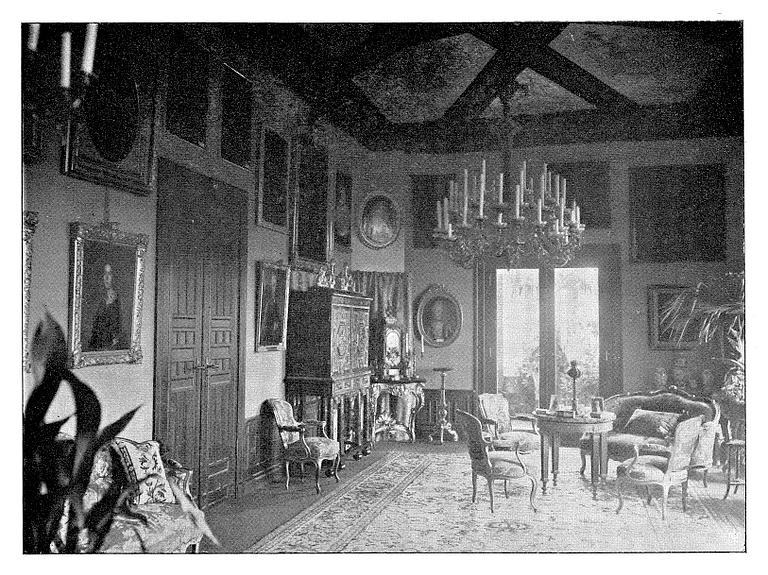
715, 310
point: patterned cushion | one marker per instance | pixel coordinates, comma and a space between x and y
647, 468
170, 530
621, 446
101, 478
652, 423
505, 464
140, 460
510, 439
319, 447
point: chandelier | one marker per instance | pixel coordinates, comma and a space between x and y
529, 224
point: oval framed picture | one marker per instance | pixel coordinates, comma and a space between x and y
379, 221
438, 317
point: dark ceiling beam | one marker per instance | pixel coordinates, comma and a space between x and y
515, 45
292, 56
669, 122
553, 65
386, 40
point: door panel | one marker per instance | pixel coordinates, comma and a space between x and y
198, 300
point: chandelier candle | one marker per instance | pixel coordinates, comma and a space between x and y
89, 49
66, 55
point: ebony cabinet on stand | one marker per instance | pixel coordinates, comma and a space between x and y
327, 371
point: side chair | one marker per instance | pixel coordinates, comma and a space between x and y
648, 470
492, 465
300, 448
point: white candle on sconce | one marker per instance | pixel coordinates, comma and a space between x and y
562, 214
578, 215
557, 188
66, 55
34, 36
542, 186
562, 200
525, 175
89, 48
522, 176
422, 345
439, 216
450, 230
482, 189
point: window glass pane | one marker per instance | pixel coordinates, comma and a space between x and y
517, 296
576, 332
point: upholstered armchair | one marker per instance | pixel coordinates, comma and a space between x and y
648, 470
507, 432
300, 448
492, 465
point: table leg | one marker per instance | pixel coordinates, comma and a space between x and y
603, 457
555, 457
596, 459
544, 461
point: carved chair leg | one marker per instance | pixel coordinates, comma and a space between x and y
318, 465
287, 474
506, 493
704, 477
534, 486
336, 467
619, 486
474, 487
583, 462
301, 471
685, 494
490, 491
664, 497
648, 494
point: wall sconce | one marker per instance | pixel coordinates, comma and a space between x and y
40, 99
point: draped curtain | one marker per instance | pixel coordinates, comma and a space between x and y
391, 293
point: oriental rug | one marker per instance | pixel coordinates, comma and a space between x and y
421, 502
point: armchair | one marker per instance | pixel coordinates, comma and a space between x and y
492, 465
648, 470
499, 424
300, 448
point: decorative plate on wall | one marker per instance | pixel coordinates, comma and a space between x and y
379, 221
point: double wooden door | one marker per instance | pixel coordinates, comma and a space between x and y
199, 243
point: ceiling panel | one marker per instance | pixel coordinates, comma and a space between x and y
650, 66
419, 83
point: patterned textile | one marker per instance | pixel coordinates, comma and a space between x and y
145, 471
647, 468
686, 437
319, 447
506, 464
101, 478
170, 530
527, 441
652, 423
415, 502
625, 405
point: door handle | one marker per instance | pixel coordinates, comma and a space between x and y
202, 366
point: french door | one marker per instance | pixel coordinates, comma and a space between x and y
198, 327
537, 320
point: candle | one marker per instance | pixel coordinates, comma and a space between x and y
562, 214
522, 176
578, 215
450, 230
446, 220
439, 217
562, 200
482, 189
549, 183
525, 174
422, 346
557, 188
542, 186
501, 187
34, 36
573, 212
466, 198
66, 55
89, 49
539, 210
517, 201
500, 220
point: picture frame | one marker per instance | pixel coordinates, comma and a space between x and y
29, 223
378, 221
311, 238
272, 291
342, 212
111, 142
274, 183
662, 337
439, 317
106, 294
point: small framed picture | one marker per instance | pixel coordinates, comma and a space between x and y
662, 335
272, 288
598, 405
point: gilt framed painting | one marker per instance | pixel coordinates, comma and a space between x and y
272, 289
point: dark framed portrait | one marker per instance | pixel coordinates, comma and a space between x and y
272, 288
112, 141
107, 292
379, 221
438, 317
661, 334
273, 191
311, 237
342, 212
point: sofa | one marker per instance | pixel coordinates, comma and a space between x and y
648, 420
168, 529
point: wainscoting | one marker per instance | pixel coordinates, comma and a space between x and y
428, 418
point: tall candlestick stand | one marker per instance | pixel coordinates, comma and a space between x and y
445, 425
